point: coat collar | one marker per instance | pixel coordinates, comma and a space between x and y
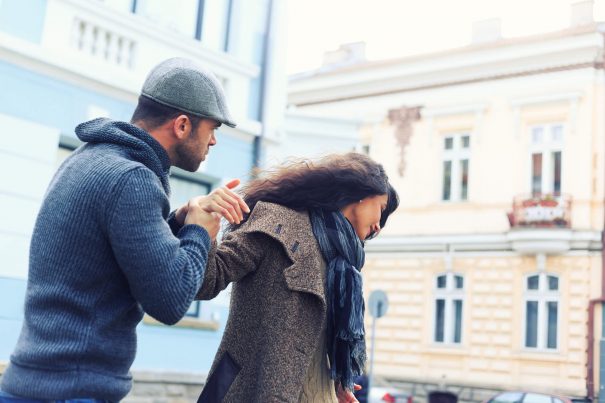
292, 229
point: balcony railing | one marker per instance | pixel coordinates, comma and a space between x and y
542, 211
102, 43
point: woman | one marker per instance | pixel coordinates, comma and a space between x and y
295, 329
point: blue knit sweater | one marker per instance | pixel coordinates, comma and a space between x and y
105, 249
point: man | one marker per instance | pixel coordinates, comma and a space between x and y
105, 247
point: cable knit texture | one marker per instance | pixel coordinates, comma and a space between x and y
105, 249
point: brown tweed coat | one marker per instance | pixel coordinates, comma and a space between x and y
278, 307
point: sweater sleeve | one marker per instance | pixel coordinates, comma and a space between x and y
174, 225
240, 253
164, 272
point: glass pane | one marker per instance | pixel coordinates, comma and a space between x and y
182, 190
121, 5
536, 398
464, 180
556, 159
533, 282
466, 141
194, 310
553, 283
251, 43
459, 282
447, 179
214, 26
458, 320
531, 324
507, 397
552, 325
536, 174
449, 143
441, 281
439, 319
557, 133
177, 15
536, 135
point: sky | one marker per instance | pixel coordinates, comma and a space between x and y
395, 28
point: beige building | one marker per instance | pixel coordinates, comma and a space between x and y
497, 151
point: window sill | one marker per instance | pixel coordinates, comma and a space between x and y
539, 355
189, 323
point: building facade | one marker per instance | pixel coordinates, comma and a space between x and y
494, 256
63, 62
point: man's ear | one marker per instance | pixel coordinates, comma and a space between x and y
181, 127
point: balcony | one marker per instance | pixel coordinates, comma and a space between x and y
543, 211
540, 224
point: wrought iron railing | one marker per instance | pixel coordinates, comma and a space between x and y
541, 211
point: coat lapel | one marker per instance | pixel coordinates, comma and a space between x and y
292, 229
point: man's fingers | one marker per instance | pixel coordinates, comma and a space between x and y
240, 201
356, 387
227, 211
219, 207
233, 183
234, 206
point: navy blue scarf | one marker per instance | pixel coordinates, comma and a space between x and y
343, 251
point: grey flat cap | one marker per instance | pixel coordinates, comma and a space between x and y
185, 85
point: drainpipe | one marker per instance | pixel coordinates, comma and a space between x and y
590, 350
258, 140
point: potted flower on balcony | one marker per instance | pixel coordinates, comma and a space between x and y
548, 201
530, 202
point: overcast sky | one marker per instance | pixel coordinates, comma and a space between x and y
393, 28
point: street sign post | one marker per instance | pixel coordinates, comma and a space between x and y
378, 304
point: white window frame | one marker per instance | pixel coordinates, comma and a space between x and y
547, 147
449, 294
455, 155
542, 296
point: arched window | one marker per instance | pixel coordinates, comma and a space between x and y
541, 311
449, 297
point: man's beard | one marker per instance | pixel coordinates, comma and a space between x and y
188, 157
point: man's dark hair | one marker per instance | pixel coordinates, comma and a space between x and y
154, 114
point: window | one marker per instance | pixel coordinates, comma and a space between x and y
254, 48
182, 189
541, 311
214, 30
546, 159
537, 398
177, 15
456, 155
508, 397
120, 5
449, 293
194, 310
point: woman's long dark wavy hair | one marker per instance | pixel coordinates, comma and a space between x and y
329, 183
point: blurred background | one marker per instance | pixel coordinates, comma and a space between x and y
489, 116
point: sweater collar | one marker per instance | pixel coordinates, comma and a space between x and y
138, 143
